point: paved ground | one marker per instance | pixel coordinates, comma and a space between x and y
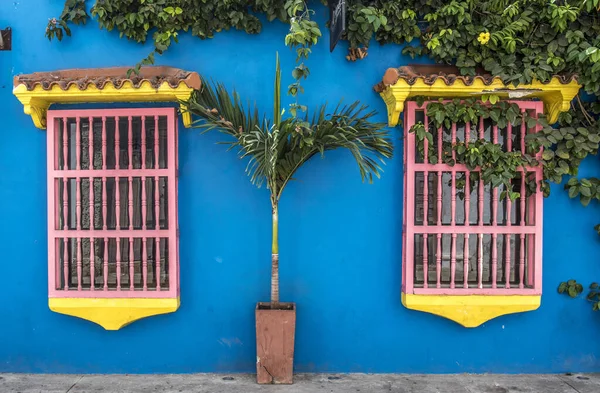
304, 383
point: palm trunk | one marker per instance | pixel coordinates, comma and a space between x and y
275, 259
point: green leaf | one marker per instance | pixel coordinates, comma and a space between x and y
572, 291
562, 287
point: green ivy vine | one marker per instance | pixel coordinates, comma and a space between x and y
573, 289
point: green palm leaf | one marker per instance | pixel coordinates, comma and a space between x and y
277, 149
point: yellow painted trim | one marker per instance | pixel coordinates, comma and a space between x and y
114, 313
37, 101
556, 96
472, 310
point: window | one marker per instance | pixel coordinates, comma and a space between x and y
460, 238
112, 204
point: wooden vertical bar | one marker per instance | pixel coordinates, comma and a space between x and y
157, 263
408, 261
453, 261
494, 189
79, 277
66, 263
143, 120
453, 212
144, 264
130, 143
494, 260
104, 204
118, 262
522, 262
425, 261
144, 209
426, 181
65, 202
173, 224
439, 198
91, 143
508, 214
130, 198
91, 203
65, 145
439, 210
156, 203
118, 202
440, 144
78, 202
438, 255
466, 262
426, 209
522, 198
92, 264
131, 270
453, 198
507, 261
467, 213
77, 144
117, 143
480, 261
467, 197
481, 186
156, 144
105, 263
467, 179
104, 142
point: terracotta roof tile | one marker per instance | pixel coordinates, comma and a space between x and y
449, 74
100, 77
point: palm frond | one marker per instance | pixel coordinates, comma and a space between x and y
275, 151
216, 109
346, 127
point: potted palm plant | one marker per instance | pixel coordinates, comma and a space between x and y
276, 149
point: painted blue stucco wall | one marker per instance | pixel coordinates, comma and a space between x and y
340, 239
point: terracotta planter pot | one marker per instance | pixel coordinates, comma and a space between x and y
275, 331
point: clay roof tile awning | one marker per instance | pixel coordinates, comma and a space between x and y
444, 81
100, 77
39, 90
447, 73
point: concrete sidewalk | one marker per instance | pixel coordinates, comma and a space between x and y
304, 383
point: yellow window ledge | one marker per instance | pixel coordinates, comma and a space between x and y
471, 311
556, 95
114, 313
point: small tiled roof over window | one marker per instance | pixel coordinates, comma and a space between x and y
115, 76
444, 81
39, 90
448, 74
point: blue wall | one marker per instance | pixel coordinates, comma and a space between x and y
340, 239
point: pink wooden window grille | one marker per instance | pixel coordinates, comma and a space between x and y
112, 203
463, 241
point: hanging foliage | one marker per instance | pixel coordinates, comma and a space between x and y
518, 41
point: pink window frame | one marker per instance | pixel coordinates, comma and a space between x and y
55, 174
533, 286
